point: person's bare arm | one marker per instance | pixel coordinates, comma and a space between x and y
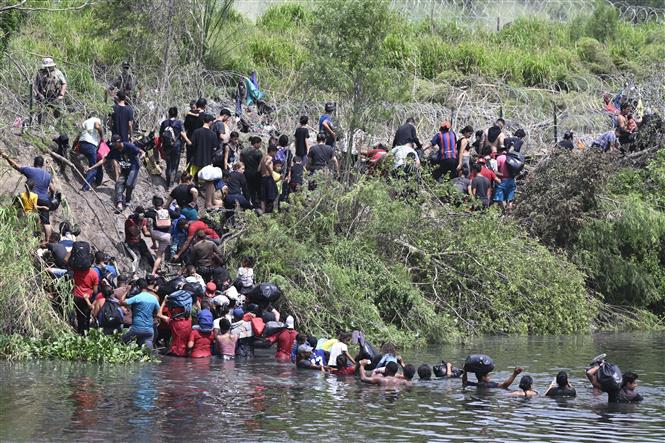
183, 248
130, 125
184, 137
160, 313
363, 375
336, 163
98, 164
63, 90
11, 162
116, 169
591, 374
329, 129
509, 381
195, 194
100, 130
349, 357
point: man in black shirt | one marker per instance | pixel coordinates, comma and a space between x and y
122, 118
193, 121
301, 136
407, 134
251, 157
204, 143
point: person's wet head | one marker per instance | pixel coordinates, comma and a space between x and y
562, 379
225, 114
409, 371
424, 372
173, 112
342, 361
201, 103
467, 131
501, 123
391, 369
483, 377
38, 162
520, 133
121, 96
321, 137
304, 120
629, 380
526, 382
255, 142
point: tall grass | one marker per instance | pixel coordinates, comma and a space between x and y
26, 308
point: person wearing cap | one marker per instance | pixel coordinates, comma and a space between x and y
326, 125
202, 337
243, 329
567, 142
49, 87
204, 143
284, 340
446, 156
125, 82
125, 159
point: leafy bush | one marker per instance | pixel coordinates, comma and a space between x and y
411, 271
595, 56
94, 347
286, 16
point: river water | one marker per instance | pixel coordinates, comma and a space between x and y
207, 399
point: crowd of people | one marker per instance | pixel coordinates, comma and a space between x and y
204, 310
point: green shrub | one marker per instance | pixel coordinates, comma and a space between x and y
284, 17
94, 347
410, 271
595, 56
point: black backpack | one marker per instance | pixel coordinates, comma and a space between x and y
515, 163
609, 377
81, 257
110, 316
168, 138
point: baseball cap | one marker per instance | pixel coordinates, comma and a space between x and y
289, 322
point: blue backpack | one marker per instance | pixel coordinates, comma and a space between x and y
180, 299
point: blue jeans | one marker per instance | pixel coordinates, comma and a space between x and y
124, 185
143, 336
90, 152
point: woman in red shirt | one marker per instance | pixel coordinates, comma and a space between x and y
85, 283
180, 325
285, 341
201, 338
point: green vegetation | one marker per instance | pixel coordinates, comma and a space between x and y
609, 222
34, 309
94, 347
412, 271
417, 269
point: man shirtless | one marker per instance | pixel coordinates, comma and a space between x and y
388, 378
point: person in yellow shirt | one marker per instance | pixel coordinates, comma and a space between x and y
29, 199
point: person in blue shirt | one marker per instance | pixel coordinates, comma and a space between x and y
126, 158
326, 125
42, 186
145, 308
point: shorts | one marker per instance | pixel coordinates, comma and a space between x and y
505, 192
44, 214
163, 240
268, 189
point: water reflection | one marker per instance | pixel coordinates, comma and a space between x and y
266, 400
